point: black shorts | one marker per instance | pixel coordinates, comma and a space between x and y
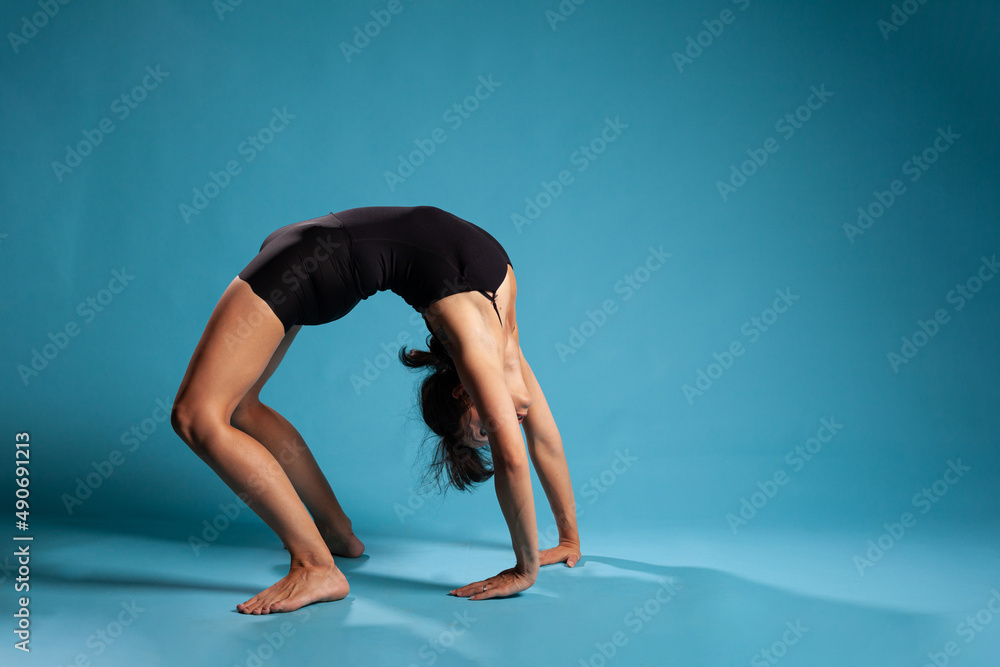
299, 262
317, 270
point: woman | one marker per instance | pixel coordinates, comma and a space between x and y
481, 387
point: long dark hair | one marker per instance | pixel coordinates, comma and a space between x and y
462, 466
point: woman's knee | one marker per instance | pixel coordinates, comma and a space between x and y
194, 422
182, 419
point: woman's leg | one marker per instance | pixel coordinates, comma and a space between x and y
240, 338
270, 429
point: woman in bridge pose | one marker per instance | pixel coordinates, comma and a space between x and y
478, 391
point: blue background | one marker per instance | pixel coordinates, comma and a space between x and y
351, 118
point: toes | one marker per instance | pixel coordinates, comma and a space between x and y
255, 605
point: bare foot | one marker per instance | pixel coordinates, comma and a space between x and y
301, 586
342, 543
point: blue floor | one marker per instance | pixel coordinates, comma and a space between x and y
137, 594
734, 224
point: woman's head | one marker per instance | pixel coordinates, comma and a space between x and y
446, 409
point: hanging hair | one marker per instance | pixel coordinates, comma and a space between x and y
462, 467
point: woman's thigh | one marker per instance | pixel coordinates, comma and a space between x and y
234, 351
253, 394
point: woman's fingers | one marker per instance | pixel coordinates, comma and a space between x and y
559, 554
495, 587
470, 589
501, 585
498, 587
497, 591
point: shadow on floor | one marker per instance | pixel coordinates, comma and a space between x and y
607, 607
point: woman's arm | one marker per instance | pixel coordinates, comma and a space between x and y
546, 449
479, 362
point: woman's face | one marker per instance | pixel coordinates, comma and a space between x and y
475, 431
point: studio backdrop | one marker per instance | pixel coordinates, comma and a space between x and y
756, 246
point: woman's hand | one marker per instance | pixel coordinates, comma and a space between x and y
506, 583
566, 551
